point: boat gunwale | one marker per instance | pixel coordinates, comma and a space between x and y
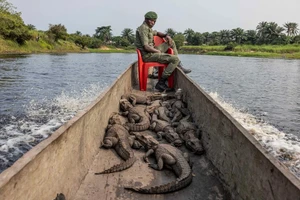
30, 155
279, 165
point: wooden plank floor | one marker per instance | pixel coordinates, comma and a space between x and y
205, 183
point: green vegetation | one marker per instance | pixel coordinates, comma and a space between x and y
267, 40
267, 51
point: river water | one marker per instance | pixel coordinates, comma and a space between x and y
38, 93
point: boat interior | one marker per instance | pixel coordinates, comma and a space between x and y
206, 183
234, 165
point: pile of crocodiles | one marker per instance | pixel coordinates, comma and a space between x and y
167, 116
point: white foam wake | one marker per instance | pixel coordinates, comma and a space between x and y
285, 147
41, 119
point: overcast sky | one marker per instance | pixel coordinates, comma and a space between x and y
202, 16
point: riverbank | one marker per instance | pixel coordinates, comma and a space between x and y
11, 47
262, 51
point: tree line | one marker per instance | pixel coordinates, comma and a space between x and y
12, 27
269, 33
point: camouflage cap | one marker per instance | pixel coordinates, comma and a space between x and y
151, 15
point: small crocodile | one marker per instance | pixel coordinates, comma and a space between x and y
163, 113
117, 137
137, 98
164, 129
138, 117
192, 143
188, 131
154, 105
166, 156
116, 118
179, 109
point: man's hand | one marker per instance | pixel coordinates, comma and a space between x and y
151, 49
169, 40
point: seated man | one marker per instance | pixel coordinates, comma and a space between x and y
145, 43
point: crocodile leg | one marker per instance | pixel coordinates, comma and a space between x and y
160, 135
134, 143
148, 153
164, 159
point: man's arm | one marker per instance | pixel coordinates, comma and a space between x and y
150, 49
160, 34
164, 35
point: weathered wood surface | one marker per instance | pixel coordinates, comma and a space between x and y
205, 183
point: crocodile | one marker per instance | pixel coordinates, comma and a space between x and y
138, 117
116, 118
192, 142
188, 131
178, 107
166, 156
164, 129
154, 105
137, 98
117, 137
163, 113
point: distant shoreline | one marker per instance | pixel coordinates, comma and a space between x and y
212, 53
259, 51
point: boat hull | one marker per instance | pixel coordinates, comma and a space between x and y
61, 163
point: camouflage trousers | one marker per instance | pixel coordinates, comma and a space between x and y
165, 58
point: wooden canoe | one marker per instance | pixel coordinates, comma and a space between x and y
235, 165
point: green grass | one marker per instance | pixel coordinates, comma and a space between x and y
45, 46
41, 46
203, 48
246, 54
269, 48
264, 51
110, 51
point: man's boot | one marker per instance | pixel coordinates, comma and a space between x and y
186, 71
161, 85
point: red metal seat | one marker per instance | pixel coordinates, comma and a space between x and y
144, 66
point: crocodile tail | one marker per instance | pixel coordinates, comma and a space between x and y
119, 167
141, 126
165, 188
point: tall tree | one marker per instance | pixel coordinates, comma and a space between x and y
291, 28
197, 39
262, 31
214, 38
206, 37
57, 31
179, 40
225, 36
83, 41
170, 32
104, 33
5, 6
31, 27
251, 36
127, 34
189, 33
11, 24
78, 33
237, 34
